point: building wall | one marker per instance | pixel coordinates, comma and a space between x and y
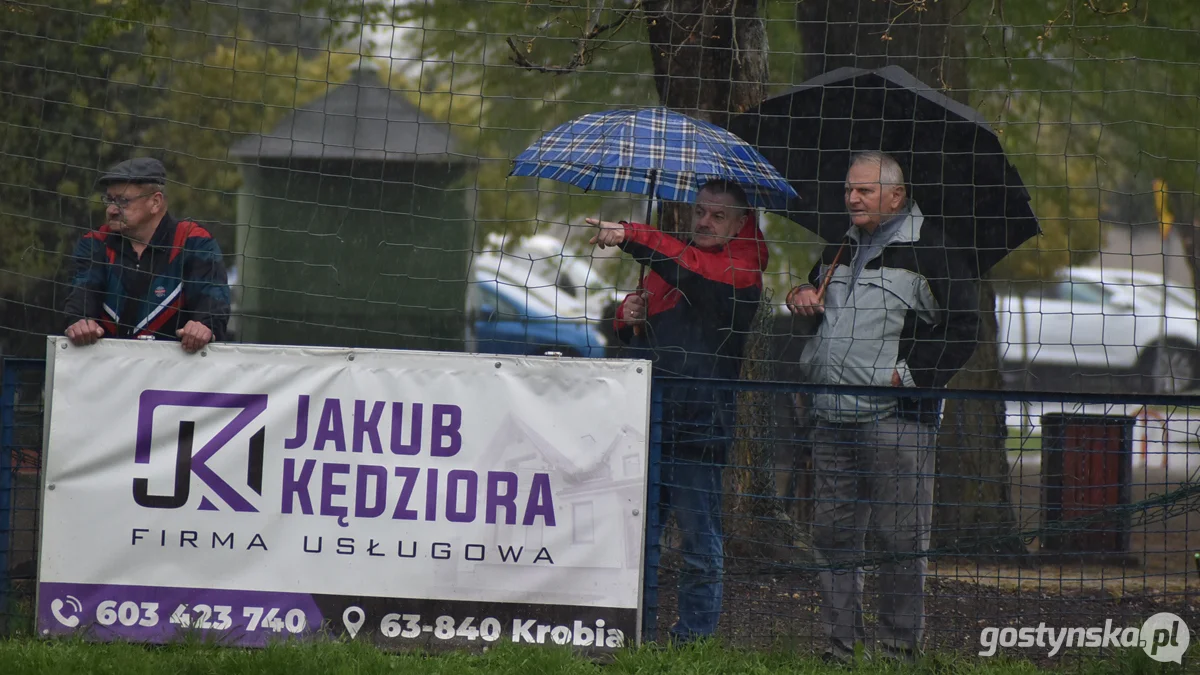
1142, 248
356, 255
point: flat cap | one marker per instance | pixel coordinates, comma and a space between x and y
136, 170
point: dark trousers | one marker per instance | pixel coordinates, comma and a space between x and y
691, 489
876, 476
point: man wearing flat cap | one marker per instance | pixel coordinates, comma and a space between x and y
144, 273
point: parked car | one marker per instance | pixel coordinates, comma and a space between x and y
513, 315
1101, 321
1181, 293
560, 273
233, 329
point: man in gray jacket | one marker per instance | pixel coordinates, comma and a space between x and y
897, 308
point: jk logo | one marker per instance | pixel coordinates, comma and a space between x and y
190, 462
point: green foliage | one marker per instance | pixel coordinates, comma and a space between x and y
58, 124
471, 69
1088, 103
1093, 96
217, 93
1059, 163
469, 77
86, 84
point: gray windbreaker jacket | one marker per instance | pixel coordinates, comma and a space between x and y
914, 309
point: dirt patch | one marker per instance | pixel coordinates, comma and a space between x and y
782, 611
1116, 582
964, 596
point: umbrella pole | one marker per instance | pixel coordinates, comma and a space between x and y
829, 274
637, 330
649, 221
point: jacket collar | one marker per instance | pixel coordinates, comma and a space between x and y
908, 231
163, 237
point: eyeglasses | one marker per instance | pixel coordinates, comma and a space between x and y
124, 202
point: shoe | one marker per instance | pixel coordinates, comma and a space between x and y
838, 656
903, 654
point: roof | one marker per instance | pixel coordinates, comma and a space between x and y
362, 119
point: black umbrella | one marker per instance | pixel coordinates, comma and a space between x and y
952, 159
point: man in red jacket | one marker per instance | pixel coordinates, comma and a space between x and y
694, 313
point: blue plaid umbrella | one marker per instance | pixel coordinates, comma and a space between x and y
652, 151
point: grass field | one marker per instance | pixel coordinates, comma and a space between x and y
33, 657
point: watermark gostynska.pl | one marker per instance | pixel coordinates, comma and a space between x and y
1164, 637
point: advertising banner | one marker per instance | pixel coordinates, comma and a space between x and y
414, 499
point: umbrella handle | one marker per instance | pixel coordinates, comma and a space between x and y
829, 274
637, 330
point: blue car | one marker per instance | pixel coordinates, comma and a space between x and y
505, 318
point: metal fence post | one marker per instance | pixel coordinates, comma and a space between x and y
653, 526
8, 392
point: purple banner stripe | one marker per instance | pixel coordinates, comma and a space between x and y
159, 615
105, 612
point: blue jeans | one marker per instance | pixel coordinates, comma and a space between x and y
691, 489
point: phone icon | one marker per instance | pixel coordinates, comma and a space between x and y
70, 621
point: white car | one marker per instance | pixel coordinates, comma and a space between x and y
559, 278
517, 273
508, 316
1093, 320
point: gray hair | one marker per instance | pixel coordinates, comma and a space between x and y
890, 172
158, 187
722, 186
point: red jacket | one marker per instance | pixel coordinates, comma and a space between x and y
702, 304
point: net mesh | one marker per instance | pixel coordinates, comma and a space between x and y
352, 159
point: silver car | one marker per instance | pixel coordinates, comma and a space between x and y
1114, 324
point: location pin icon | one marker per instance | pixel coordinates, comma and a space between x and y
353, 617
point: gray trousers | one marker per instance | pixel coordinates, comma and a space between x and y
877, 476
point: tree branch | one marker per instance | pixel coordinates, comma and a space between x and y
12, 6
585, 48
519, 59
1124, 9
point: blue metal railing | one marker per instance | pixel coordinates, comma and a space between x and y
14, 373
653, 526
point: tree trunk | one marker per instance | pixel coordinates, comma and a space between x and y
973, 512
851, 33
710, 56
710, 62
972, 505
758, 525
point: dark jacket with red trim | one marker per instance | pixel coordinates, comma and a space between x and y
179, 277
701, 307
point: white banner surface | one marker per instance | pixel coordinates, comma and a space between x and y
409, 498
